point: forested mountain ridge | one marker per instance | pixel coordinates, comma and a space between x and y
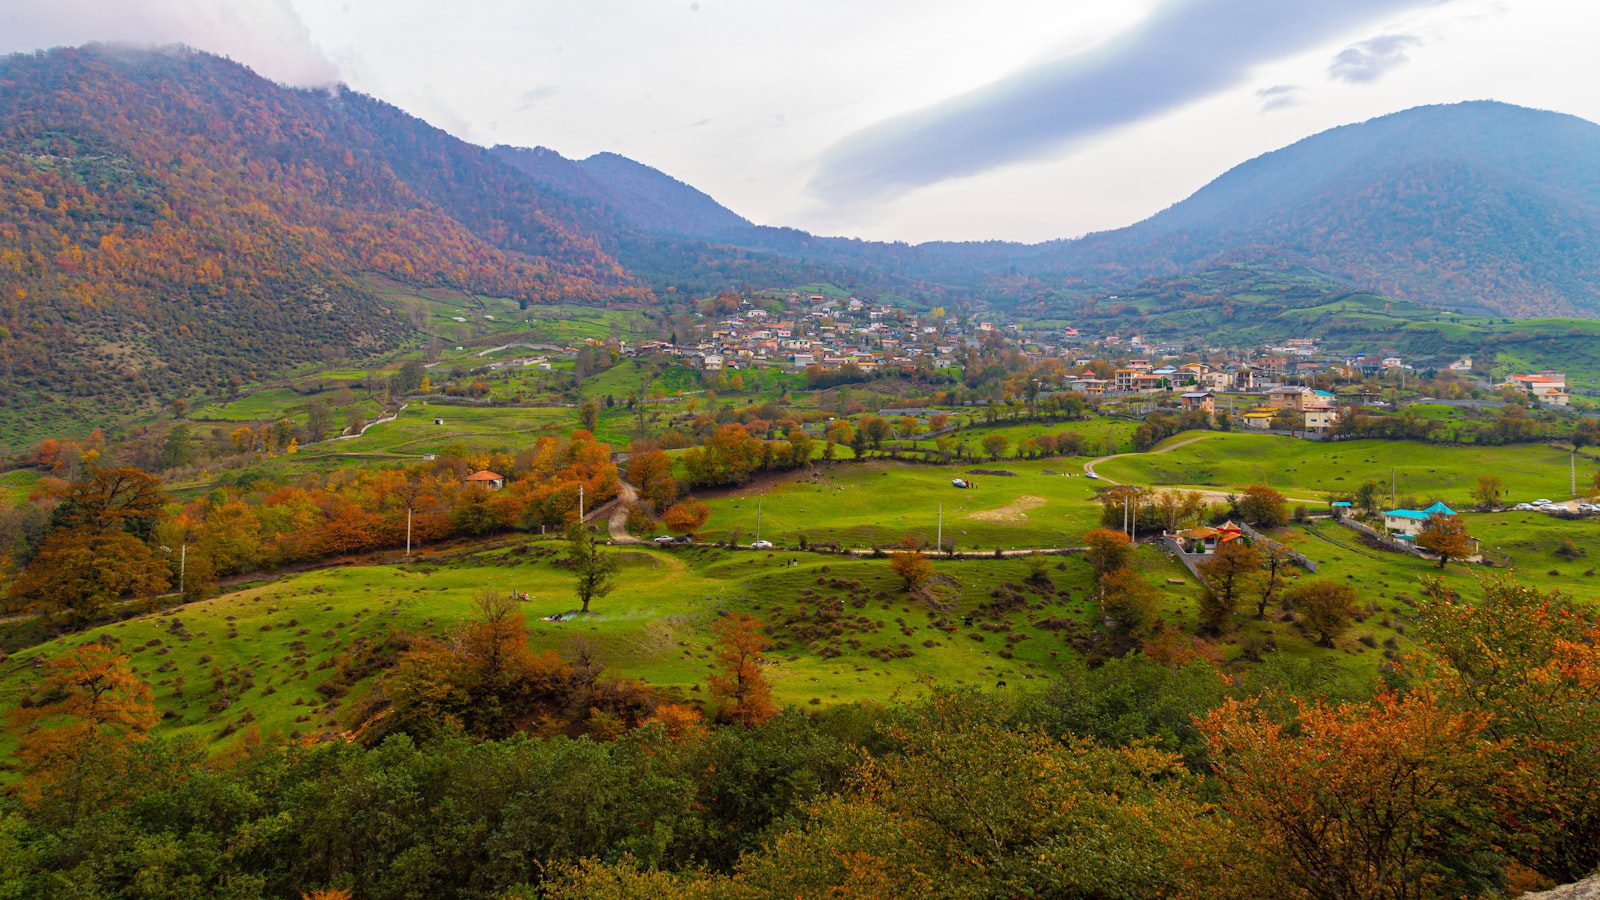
172, 222
1481, 205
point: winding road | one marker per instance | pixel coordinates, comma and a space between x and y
627, 495
1214, 496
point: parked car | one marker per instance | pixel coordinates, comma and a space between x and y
1090, 475
761, 545
683, 539
666, 539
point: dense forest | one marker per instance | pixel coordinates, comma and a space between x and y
173, 223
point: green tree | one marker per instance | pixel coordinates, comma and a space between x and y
596, 570
1488, 491
178, 447
1326, 607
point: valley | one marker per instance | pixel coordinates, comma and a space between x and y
387, 514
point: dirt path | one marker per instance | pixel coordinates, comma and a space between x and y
1012, 513
1088, 467
1213, 496
618, 523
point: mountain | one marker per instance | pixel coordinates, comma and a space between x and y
1477, 206
172, 222
639, 197
1243, 305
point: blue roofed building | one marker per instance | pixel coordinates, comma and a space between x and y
1406, 524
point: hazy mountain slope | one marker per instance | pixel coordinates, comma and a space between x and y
1476, 205
169, 221
1473, 205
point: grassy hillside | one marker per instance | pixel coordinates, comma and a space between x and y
1249, 305
1232, 461
280, 656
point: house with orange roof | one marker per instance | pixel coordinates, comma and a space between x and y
491, 480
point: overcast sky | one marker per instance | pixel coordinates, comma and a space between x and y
891, 119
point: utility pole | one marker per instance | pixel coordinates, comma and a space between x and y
938, 541
408, 531
758, 519
1392, 500
183, 564
580, 503
1573, 461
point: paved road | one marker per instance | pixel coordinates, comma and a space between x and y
1213, 496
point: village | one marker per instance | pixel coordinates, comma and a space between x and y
1293, 387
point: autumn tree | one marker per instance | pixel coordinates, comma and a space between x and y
968, 807
1325, 605
1127, 599
1382, 799
595, 569
738, 683
1107, 551
913, 568
650, 470
484, 679
122, 499
1445, 536
589, 416
89, 702
1263, 506
686, 516
1276, 560
1488, 491
77, 576
1226, 575
1529, 662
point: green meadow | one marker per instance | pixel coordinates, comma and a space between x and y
1234, 460
877, 503
298, 655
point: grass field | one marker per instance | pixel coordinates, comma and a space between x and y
16, 485
1221, 460
876, 503
842, 628
272, 655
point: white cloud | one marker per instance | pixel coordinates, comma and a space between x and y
266, 35
1371, 59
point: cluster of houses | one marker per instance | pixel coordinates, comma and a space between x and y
1549, 388
820, 331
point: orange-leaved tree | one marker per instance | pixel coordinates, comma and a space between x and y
1529, 661
739, 682
686, 516
1387, 798
91, 705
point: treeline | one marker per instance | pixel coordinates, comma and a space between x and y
114, 535
1472, 770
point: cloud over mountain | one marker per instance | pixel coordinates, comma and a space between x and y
1185, 50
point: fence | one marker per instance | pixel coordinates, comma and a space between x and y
1300, 559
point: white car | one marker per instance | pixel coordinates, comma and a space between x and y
1090, 475
666, 539
761, 545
